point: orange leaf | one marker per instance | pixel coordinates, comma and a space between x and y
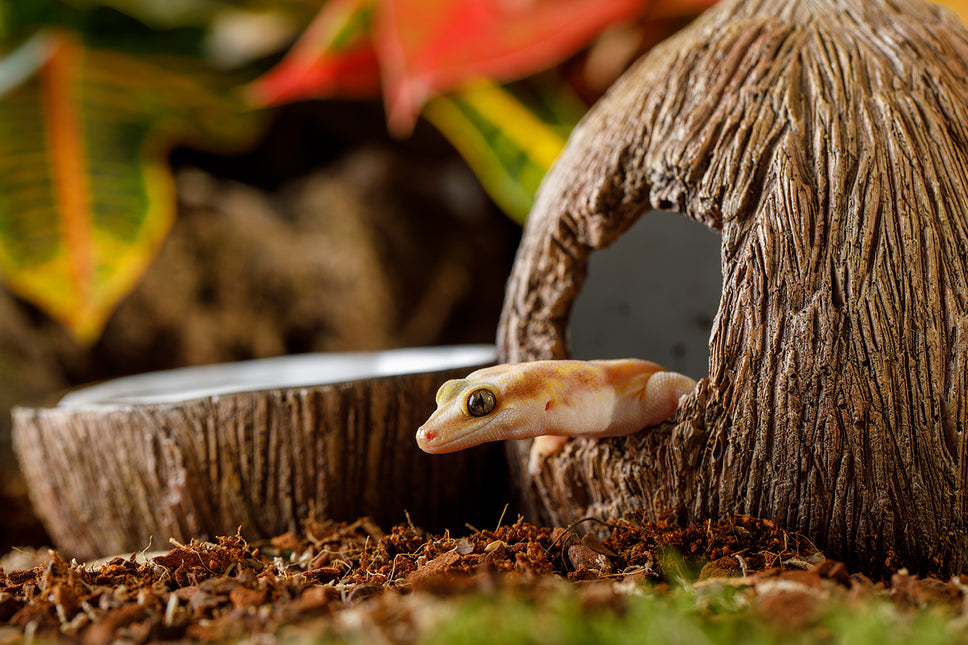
430, 46
67, 160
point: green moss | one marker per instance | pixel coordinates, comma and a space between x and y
682, 616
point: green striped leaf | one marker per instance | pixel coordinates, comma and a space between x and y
509, 144
86, 196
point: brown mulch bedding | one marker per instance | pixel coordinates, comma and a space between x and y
210, 592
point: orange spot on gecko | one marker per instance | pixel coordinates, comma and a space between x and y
548, 405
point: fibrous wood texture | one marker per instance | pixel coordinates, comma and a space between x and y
107, 478
828, 141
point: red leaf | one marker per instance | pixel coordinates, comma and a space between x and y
430, 46
425, 47
333, 57
352, 73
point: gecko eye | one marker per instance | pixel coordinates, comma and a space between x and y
481, 402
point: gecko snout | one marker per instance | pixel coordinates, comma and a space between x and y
426, 439
424, 436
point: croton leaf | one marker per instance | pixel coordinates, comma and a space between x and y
333, 57
509, 144
430, 46
424, 47
86, 195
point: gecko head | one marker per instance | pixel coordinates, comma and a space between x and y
470, 411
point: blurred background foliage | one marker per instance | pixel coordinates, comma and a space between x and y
95, 93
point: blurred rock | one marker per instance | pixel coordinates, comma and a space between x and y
370, 253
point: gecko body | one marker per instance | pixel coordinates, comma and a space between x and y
551, 401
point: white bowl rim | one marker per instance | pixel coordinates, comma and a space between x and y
293, 371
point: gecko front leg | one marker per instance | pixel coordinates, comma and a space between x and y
543, 447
